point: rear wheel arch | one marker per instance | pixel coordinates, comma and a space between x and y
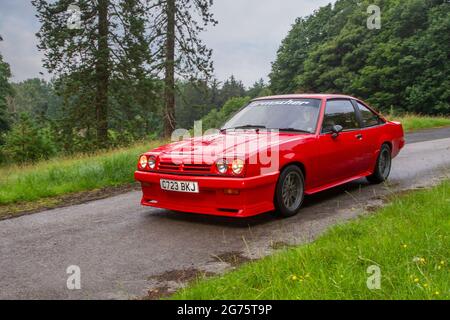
388, 143
383, 165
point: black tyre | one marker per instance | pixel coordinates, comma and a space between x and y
383, 165
289, 193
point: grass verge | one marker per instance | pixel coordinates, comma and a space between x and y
416, 122
408, 240
62, 176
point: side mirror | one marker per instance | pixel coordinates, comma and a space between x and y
336, 130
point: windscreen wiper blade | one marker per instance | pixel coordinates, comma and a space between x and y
292, 130
247, 126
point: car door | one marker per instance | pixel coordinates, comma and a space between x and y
339, 156
371, 127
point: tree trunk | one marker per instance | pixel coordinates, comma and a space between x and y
102, 75
169, 80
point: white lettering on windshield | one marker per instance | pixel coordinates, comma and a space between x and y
279, 102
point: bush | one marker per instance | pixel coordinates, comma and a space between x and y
26, 142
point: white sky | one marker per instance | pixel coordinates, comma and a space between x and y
244, 42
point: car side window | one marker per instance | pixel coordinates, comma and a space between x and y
339, 112
368, 118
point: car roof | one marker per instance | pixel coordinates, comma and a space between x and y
306, 96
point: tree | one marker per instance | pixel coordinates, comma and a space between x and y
26, 142
259, 89
178, 49
294, 49
215, 119
404, 65
35, 97
109, 47
193, 101
5, 91
230, 89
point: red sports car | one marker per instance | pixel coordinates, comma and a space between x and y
271, 154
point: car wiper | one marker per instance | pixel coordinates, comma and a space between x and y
247, 126
292, 130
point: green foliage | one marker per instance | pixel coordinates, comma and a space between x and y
413, 122
194, 100
231, 88
404, 65
5, 91
259, 89
26, 183
408, 240
215, 119
198, 99
26, 142
35, 97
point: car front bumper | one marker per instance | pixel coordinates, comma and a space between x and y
255, 196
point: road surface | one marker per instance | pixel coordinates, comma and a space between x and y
125, 250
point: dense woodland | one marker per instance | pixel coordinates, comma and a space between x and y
137, 69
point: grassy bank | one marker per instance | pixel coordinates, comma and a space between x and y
413, 122
61, 176
408, 240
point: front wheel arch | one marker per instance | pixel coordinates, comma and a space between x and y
299, 164
290, 205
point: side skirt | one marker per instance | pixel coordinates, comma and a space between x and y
337, 183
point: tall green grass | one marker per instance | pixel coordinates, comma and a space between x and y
72, 174
412, 122
409, 240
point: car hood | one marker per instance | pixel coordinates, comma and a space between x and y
230, 144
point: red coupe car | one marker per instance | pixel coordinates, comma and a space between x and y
271, 154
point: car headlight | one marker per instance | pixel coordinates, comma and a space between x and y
222, 166
152, 162
143, 161
237, 166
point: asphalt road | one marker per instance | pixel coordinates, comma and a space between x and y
124, 250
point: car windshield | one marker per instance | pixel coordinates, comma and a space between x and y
281, 114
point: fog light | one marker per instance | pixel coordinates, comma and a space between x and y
231, 192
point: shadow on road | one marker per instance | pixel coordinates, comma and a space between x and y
262, 219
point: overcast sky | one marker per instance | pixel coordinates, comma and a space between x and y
244, 42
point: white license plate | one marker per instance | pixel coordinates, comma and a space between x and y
179, 186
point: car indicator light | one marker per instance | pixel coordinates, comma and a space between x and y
231, 192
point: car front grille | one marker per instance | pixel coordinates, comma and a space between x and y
184, 168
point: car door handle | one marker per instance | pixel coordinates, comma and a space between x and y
359, 136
